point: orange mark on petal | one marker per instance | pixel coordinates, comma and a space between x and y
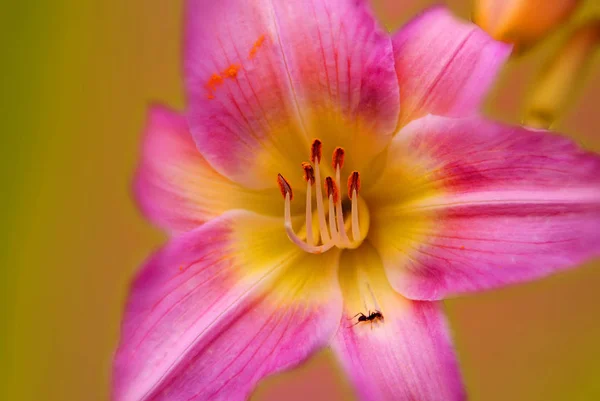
232, 71
214, 81
257, 45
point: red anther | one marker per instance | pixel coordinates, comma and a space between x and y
309, 173
284, 186
338, 158
331, 189
315, 151
353, 183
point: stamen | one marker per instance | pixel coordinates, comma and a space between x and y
286, 191
353, 188
336, 235
309, 176
315, 157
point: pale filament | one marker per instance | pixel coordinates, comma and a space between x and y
337, 233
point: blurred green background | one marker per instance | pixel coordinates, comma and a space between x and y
77, 77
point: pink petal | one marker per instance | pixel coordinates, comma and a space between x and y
497, 205
176, 188
404, 357
445, 66
265, 77
221, 307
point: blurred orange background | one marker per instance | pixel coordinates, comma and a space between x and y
77, 79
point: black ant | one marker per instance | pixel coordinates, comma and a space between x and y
377, 315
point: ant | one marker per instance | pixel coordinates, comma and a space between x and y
377, 315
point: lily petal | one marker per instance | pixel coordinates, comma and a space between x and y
444, 66
221, 307
175, 186
265, 77
494, 205
405, 356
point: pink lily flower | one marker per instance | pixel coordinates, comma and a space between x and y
276, 251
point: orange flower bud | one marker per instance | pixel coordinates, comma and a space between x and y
522, 22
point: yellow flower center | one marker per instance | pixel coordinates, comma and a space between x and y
333, 228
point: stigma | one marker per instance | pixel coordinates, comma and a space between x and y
333, 228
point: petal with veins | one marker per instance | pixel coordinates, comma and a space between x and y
265, 77
494, 205
221, 307
406, 356
444, 66
176, 188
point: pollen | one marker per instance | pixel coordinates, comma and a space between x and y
232, 71
353, 183
309, 173
338, 158
257, 45
315, 151
331, 189
214, 81
284, 187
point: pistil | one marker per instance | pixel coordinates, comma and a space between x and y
332, 195
338, 162
315, 158
353, 188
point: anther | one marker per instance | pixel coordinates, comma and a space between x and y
309, 173
284, 187
338, 158
331, 189
315, 151
353, 183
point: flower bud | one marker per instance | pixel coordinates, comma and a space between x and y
521, 22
